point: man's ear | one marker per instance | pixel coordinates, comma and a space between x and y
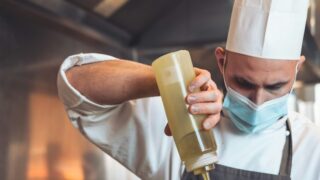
301, 61
220, 57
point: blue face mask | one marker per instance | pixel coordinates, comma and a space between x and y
249, 117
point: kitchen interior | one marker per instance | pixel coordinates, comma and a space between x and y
36, 137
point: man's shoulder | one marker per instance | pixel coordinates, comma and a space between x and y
306, 144
304, 129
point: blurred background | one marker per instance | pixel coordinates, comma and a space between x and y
37, 141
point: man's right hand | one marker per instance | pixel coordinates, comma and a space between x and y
206, 102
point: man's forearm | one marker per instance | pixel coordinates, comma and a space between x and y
113, 82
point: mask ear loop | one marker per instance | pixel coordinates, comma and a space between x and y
295, 77
223, 71
224, 80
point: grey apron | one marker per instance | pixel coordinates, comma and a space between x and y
227, 173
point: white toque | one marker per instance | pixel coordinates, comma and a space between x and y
271, 29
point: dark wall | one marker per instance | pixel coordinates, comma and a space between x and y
31, 52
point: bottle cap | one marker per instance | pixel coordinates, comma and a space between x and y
201, 161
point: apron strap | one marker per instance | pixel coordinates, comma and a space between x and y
286, 162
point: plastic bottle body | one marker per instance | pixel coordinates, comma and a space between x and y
197, 147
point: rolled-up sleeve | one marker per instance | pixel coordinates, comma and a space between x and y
131, 132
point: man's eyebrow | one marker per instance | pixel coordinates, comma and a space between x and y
244, 80
278, 83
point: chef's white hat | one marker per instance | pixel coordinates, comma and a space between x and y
271, 29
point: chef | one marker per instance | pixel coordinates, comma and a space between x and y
115, 103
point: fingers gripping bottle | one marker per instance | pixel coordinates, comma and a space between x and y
196, 146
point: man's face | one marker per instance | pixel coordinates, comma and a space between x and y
259, 80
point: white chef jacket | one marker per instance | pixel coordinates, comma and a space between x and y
132, 133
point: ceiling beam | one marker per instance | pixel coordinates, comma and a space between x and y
108, 7
68, 18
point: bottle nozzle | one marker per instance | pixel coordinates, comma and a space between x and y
206, 176
204, 171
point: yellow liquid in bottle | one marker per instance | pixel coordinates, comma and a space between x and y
195, 144
196, 147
